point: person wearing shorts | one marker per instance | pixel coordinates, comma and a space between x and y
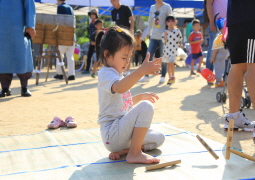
241, 44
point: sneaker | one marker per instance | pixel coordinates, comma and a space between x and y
240, 122
5, 92
171, 81
162, 80
58, 76
25, 92
199, 71
93, 75
85, 72
219, 84
192, 73
72, 77
144, 79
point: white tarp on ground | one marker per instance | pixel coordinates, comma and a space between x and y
80, 154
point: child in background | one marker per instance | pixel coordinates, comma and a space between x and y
99, 27
195, 40
220, 55
124, 127
171, 38
138, 39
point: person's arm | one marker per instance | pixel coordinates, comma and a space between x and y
150, 23
148, 67
132, 24
131, 18
144, 96
30, 13
209, 7
214, 55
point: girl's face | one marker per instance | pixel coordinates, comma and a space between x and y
171, 23
120, 60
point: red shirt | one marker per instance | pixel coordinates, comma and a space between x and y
195, 48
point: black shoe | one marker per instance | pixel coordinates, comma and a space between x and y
72, 77
25, 92
5, 92
58, 76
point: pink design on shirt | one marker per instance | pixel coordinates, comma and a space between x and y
127, 101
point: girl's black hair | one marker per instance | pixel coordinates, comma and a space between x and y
169, 17
99, 37
113, 40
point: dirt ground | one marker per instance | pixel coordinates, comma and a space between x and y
188, 104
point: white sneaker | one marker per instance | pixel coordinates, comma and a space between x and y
162, 80
240, 122
144, 79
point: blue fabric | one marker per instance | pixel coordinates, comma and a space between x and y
220, 22
212, 36
65, 9
15, 49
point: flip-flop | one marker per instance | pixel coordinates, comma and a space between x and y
70, 122
56, 123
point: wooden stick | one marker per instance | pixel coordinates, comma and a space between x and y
207, 147
238, 153
158, 166
229, 138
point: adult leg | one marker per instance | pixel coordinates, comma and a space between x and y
90, 54
70, 60
5, 80
62, 51
24, 83
212, 36
251, 81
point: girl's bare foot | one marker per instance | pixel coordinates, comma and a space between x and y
141, 158
114, 156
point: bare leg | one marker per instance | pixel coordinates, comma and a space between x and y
169, 70
192, 65
235, 85
251, 81
200, 62
95, 65
135, 154
116, 155
172, 68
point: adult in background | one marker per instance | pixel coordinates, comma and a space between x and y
64, 8
92, 29
17, 17
212, 7
123, 16
156, 25
241, 44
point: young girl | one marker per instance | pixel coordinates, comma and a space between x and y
124, 128
171, 38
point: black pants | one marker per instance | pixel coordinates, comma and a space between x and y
137, 54
6, 79
90, 53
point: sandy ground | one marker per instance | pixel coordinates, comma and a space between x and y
188, 104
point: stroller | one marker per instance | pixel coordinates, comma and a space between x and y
222, 95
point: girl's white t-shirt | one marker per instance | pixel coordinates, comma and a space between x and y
112, 105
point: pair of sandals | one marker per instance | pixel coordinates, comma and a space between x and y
57, 122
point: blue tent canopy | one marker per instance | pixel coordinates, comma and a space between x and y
142, 7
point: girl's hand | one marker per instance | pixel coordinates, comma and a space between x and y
151, 67
166, 33
149, 96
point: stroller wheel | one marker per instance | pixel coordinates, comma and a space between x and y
243, 102
224, 97
248, 102
218, 97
